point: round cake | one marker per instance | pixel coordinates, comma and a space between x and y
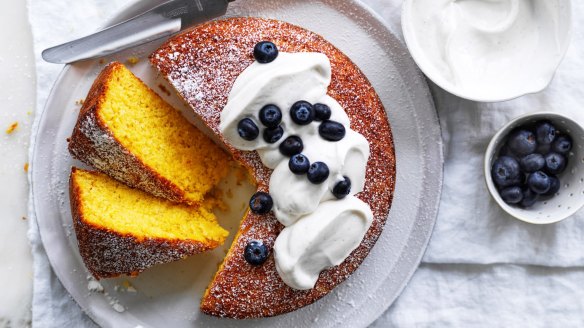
203, 64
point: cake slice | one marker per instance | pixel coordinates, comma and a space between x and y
122, 230
129, 132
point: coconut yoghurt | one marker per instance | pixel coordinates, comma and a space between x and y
486, 49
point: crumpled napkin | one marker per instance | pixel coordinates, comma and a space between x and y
492, 295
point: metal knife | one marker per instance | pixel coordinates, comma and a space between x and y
161, 21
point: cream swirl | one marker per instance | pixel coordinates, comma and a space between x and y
319, 240
299, 204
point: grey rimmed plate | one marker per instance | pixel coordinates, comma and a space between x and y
168, 295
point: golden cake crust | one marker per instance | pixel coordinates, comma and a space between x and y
94, 144
202, 64
108, 253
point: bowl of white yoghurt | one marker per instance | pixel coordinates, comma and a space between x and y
488, 50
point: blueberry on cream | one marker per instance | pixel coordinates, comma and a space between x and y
302, 112
331, 130
321, 228
299, 164
270, 116
342, 188
247, 129
265, 52
272, 135
322, 112
291, 146
318, 172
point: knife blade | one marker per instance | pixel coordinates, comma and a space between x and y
161, 21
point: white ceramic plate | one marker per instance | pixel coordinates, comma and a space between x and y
168, 295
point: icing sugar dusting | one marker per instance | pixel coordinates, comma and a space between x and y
210, 58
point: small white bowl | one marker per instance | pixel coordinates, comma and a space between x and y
428, 28
570, 198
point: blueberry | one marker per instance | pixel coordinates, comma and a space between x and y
247, 129
539, 182
331, 130
265, 52
562, 144
518, 181
543, 149
256, 252
555, 163
261, 203
554, 186
270, 116
506, 152
529, 198
342, 188
302, 112
318, 172
545, 132
532, 162
522, 142
299, 164
505, 170
272, 135
291, 146
512, 195
322, 112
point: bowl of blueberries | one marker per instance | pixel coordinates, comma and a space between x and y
534, 167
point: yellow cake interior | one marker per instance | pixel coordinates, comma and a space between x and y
160, 136
107, 203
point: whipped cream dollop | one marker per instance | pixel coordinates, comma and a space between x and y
486, 49
336, 226
319, 241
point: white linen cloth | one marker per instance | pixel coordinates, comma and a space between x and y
465, 279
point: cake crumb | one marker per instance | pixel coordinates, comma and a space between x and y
215, 200
23, 218
79, 102
101, 61
164, 89
12, 128
25, 167
133, 60
94, 286
128, 286
240, 176
118, 307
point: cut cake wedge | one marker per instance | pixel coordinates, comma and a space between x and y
122, 230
